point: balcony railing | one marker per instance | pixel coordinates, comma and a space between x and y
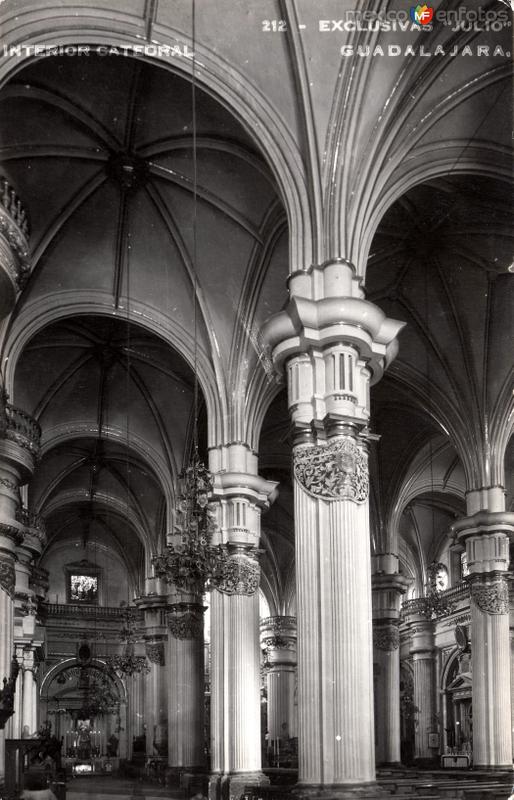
21, 428
89, 612
448, 600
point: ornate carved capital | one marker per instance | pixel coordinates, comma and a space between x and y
279, 643
335, 471
386, 638
185, 621
278, 624
155, 652
491, 598
7, 576
241, 574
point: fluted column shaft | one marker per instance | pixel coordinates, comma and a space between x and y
156, 701
387, 695
237, 656
388, 587
486, 536
335, 689
28, 710
153, 604
185, 660
135, 713
278, 637
422, 651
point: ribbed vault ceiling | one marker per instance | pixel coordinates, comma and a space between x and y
101, 152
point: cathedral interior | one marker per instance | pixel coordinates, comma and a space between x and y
256, 353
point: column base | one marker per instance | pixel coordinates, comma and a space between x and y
231, 786
340, 791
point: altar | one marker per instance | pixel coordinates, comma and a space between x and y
99, 765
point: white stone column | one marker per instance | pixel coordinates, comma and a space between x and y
235, 650
185, 668
387, 588
135, 713
153, 605
278, 638
156, 699
486, 535
422, 651
28, 690
334, 344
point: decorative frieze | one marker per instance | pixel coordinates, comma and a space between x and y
241, 575
491, 598
7, 576
335, 471
155, 652
185, 621
279, 643
386, 638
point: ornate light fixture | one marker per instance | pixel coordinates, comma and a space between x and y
193, 563
128, 663
190, 561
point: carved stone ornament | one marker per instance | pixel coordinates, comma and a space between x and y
279, 624
279, 643
241, 575
155, 652
492, 598
186, 626
336, 471
7, 576
387, 639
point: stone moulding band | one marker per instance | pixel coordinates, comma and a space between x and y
335, 471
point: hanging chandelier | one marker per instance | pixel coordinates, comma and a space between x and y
192, 563
128, 663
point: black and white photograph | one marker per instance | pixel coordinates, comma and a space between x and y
256, 400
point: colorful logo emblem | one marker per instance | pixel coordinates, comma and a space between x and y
421, 15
